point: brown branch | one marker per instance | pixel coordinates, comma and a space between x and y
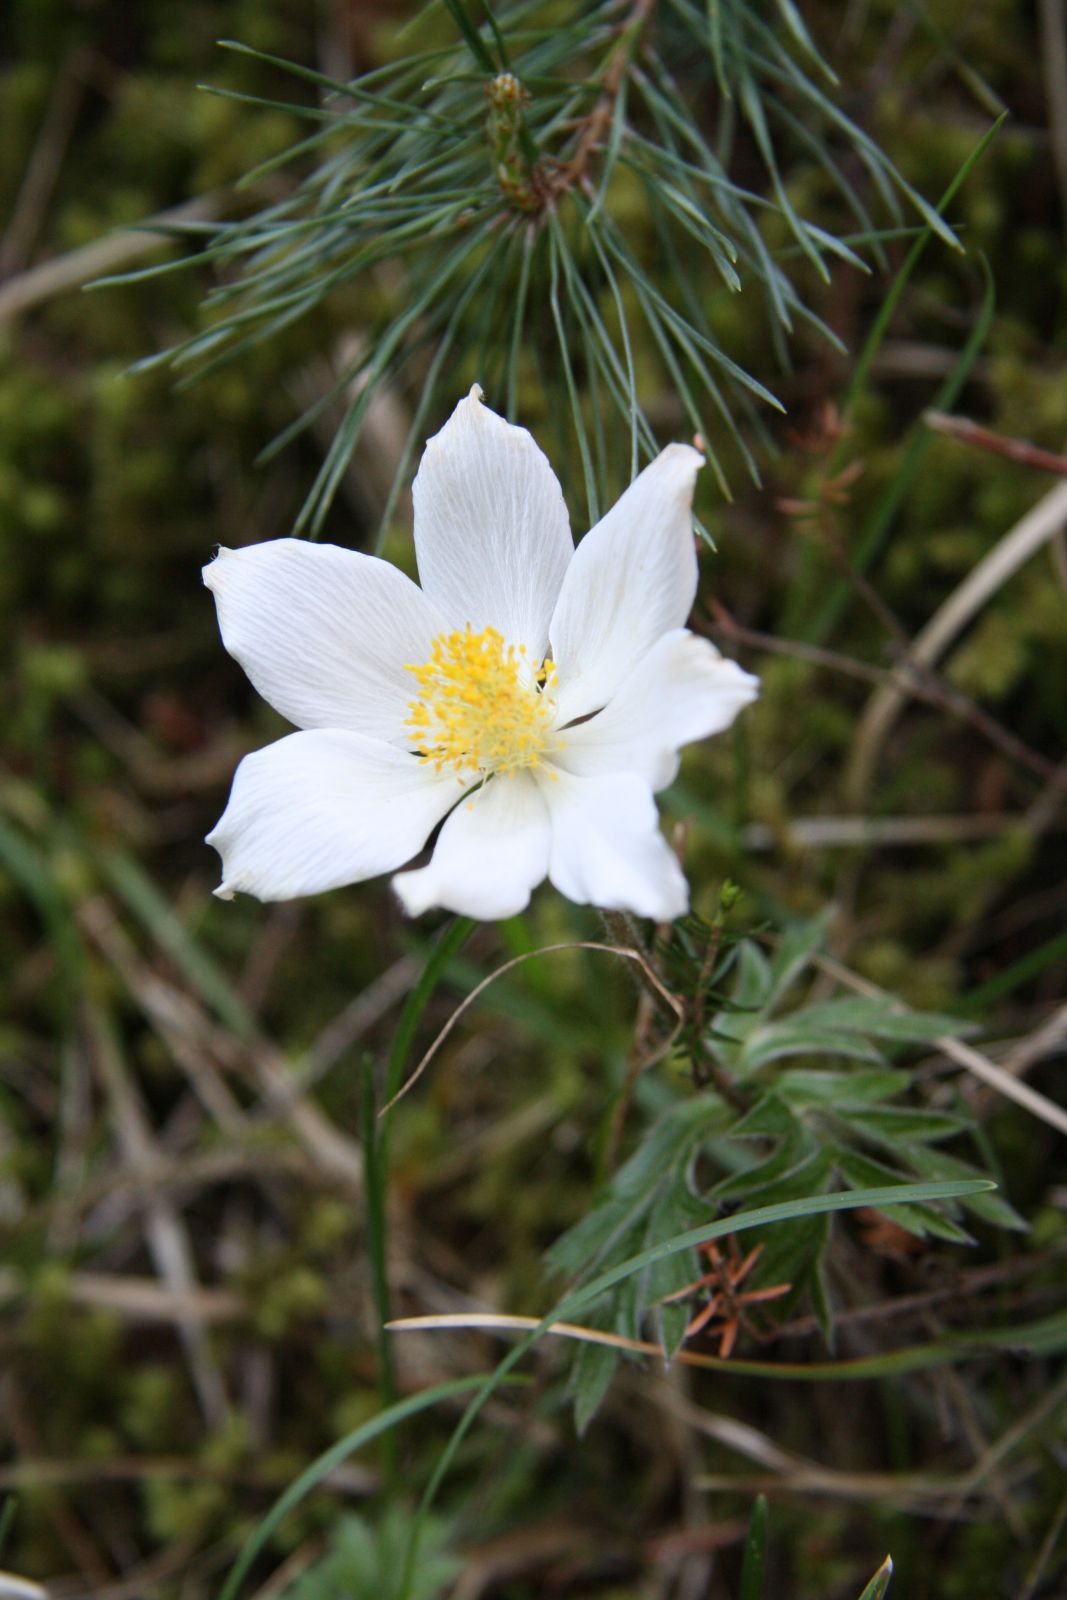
968, 432
596, 126
972, 1281
100, 257
45, 163
642, 1054
922, 685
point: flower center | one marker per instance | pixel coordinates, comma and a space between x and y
482, 705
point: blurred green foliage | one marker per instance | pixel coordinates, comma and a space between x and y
124, 721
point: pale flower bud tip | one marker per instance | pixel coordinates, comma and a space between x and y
682, 456
476, 392
209, 573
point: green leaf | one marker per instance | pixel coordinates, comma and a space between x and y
675, 1210
752, 991
319, 1469
795, 950
590, 1380
798, 28
768, 1117
751, 1587
789, 1165
876, 1589
804, 1088
672, 1322
792, 1255
884, 1018
448, 943
989, 1207
1046, 1336
893, 1123
775, 1040
664, 1151
364, 1560
922, 1221
580, 1301
475, 43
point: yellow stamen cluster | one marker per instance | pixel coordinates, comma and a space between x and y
483, 707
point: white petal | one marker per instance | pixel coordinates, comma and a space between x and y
320, 809
607, 849
682, 690
324, 633
492, 534
633, 578
491, 852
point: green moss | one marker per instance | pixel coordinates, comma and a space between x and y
152, 1401
113, 491
285, 1296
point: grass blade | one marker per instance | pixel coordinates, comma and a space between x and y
755, 1550
581, 1299
337, 1453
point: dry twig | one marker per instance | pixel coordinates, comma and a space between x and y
95, 260
963, 1054
637, 956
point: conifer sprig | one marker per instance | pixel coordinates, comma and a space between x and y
484, 195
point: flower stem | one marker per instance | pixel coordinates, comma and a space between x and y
622, 930
376, 1135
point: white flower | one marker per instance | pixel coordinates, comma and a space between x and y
532, 694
